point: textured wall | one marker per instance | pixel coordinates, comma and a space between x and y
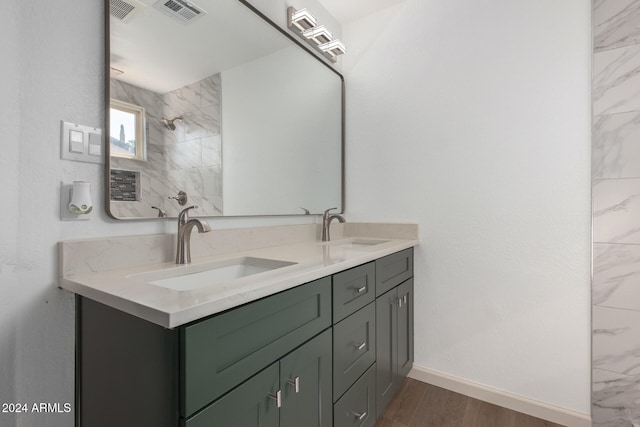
616, 213
472, 119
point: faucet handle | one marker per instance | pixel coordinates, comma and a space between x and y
161, 212
184, 213
326, 213
181, 198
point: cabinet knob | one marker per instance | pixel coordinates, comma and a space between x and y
361, 346
360, 416
295, 383
277, 398
361, 290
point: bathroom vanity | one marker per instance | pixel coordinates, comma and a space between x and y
325, 350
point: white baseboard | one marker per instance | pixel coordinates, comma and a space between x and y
502, 398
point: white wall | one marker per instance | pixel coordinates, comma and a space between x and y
472, 119
287, 129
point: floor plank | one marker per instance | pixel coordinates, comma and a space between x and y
423, 405
406, 401
439, 408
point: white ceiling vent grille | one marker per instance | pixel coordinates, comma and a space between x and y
121, 9
184, 11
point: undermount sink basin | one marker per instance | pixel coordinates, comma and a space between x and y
358, 243
193, 276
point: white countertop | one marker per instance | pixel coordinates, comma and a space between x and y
171, 308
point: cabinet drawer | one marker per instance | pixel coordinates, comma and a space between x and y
220, 352
393, 270
352, 290
354, 348
357, 406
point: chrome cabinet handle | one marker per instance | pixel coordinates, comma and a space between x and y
361, 290
295, 383
277, 398
361, 346
360, 416
400, 302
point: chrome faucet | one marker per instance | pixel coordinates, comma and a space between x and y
326, 222
185, 226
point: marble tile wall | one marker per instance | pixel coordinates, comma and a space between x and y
616, 214
188, 158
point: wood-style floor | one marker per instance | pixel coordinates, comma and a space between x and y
423, 405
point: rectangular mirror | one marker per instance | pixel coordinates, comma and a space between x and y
213, 99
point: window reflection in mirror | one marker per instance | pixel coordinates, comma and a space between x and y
126, 132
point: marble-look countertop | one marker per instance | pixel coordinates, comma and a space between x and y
121, 289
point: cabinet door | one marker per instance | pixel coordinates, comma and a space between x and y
305, 380
248, 405
387, 348
405, 328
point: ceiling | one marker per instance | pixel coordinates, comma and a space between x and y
350, 10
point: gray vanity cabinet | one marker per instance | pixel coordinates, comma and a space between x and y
135, 373
331, 352
394, 324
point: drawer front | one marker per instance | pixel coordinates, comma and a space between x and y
354, 348
220, 352
352, 290
393, 270
358, 405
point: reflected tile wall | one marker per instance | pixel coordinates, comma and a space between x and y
616, 146
615, 23
183, 159
615, 398
616, 80
616, 276
616, 211
616, 214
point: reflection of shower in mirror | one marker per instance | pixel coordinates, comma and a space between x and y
168, 123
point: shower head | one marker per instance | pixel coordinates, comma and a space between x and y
168, 123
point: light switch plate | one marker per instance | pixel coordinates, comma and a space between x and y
81, 143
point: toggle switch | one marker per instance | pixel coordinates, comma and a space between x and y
76, 141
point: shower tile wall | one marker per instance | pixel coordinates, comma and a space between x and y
188, 159
616, 214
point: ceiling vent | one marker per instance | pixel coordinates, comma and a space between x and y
121, 10
126, 10
184, 11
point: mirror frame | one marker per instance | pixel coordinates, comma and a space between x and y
107, 97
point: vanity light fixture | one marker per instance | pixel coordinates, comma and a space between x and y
334, 47
302, 19
304, 25
319, 34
